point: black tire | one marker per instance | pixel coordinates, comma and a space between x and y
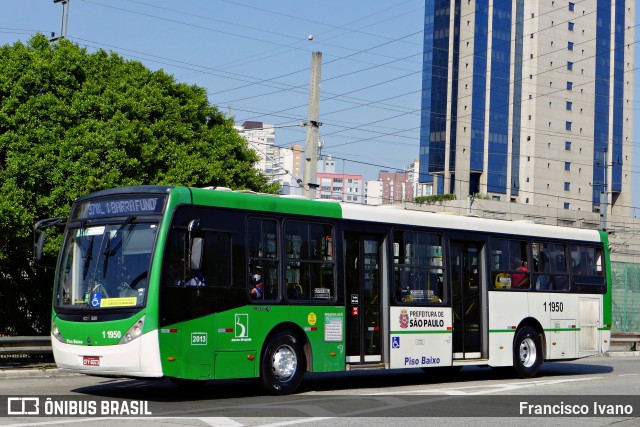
527, 352
283, 364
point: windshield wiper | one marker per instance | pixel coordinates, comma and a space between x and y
108, 252
88, 259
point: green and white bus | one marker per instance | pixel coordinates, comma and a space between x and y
205, 284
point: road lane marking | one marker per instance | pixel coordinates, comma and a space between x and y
485, 389
212, 421
296, 421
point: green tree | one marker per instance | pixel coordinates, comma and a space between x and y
73, 122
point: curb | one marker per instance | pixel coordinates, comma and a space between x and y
621, 354
35, 373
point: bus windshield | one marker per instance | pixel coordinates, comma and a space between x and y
105, 266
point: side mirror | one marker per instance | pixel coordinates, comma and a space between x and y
38, 247
193, 225
196, 253
40, 231
195, 246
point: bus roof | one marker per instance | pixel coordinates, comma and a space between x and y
399, 215
380, 214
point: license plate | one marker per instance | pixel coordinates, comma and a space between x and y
91, 360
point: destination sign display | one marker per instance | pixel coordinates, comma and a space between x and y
123, 206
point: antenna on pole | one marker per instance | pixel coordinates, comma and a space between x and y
312, 124
65, 19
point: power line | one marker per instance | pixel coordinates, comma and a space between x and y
255, 83
382, 135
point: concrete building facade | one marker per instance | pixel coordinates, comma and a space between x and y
396, 187
261, 138
281, 165
529, 102
413, 175
341, 187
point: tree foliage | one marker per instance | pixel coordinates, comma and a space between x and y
74, 122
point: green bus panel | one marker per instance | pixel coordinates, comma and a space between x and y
261, 202
236, 364
607, 318
230, 344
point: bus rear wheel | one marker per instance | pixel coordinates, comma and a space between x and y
527, 352
283, 364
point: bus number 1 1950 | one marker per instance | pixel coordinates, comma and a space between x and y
112, 334
554, 307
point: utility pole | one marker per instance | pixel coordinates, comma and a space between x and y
65, 18
311, 151
604, 195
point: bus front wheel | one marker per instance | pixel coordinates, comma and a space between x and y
283, 364
527, 352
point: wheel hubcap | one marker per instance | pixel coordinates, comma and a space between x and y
527, 352
284, 363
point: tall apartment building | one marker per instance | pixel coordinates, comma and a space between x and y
413, 175
529, 101
281, 165
390, 188
396, 187
293, 159
339, 186
290, 176
261, 138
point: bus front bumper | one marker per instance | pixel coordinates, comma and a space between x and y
139, 358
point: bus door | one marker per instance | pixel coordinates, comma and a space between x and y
363, 282
590, 309
466, 284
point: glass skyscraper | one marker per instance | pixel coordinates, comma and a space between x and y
529, 101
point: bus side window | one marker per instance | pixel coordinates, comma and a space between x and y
418, 267
175, 270
586, 265
543, 282
552, 271
309, 261
262, 270
294, 291
510, 267
542, 265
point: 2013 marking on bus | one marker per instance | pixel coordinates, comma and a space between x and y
199, 338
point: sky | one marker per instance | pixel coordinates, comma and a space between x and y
253, 57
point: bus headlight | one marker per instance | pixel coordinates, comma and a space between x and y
56, 332
134, 332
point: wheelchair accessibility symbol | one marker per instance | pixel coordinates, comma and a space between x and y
395, 342
95, 301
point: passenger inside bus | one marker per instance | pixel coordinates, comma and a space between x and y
520, 280
195, 278
583, 267
256, 286
543, 282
